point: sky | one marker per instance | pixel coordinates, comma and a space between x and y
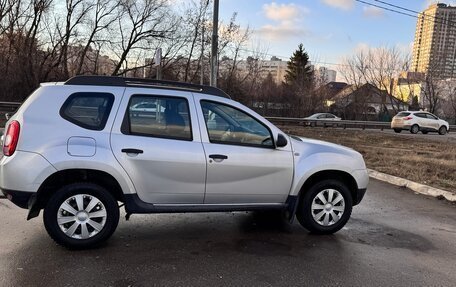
328, 29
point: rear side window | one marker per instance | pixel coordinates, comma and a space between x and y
421, 115
158, 116
88, 110
403, 114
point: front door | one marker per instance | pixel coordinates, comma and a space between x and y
160, 147
432, 122
244, 167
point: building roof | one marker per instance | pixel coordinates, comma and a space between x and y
367, 93
331, 89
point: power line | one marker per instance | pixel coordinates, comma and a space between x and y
385, 8
414, 11
434, 19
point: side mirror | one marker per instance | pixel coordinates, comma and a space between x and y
281, 141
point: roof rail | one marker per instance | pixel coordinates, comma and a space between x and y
142, 82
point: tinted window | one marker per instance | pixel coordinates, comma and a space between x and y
229, 125
329, 116
88, 110
431, 116
421, 115
403, 114
166, 117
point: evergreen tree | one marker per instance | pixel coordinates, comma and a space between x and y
298, 68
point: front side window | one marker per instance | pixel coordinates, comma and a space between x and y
228, 125
88, 110
158, 116
431, 116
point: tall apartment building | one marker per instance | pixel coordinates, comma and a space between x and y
434, 48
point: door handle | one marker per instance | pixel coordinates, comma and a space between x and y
218, 156
132, 150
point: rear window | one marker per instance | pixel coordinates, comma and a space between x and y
403, 114
88, 110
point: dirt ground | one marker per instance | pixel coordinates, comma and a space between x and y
430, 161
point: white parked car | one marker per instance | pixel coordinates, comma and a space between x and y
315, 118
323, 116
79, 152
415, 121
146, 109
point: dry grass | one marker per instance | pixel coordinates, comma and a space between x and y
430, 161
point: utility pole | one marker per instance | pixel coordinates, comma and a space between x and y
214, 50
157, 61
202, 52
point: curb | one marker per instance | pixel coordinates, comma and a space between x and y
417, 187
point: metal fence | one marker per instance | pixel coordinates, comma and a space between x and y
336, 124
11, 107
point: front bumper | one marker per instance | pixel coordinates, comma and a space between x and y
22, 199
359, 196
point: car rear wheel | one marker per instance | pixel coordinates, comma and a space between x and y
414, 129
81, 215
325, 208
397, 130
442, 130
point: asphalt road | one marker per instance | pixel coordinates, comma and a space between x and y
394, 238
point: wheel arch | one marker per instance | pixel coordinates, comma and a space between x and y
339, 175
68, 176
342, 176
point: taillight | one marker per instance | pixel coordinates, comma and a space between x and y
407, 118
11, 138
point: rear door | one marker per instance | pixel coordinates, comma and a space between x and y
422, 121
161, 150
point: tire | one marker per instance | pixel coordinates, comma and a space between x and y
398, 131
98, 228
424, 132
442, 130
415, 129
308, 218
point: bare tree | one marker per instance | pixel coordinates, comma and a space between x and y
76, 11
141, 21
104, 14
378, 67
195, 18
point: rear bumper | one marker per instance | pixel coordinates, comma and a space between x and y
400, 126
20, 198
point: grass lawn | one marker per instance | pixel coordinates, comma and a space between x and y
429, 160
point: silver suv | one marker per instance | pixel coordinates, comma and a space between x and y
77, 149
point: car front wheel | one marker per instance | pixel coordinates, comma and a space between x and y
325, 208
397, 130
442, 130
81, 215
